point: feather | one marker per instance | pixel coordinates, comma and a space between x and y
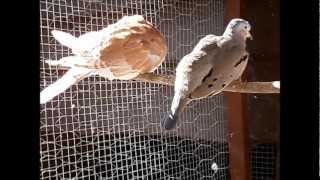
67, 80
65, 39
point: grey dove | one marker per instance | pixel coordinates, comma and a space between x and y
210, 67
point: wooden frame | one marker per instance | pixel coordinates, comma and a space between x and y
237, 115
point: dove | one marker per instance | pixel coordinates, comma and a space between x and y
123, 50
210, 67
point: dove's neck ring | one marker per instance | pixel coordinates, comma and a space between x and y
230, 33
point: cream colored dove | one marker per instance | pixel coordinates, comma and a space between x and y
210, 67
123, 50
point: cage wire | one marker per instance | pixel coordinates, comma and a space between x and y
101, 129
263, 158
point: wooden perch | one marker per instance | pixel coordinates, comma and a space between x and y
236, 86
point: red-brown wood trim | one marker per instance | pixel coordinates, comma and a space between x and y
239, 160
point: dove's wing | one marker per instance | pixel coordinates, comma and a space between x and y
192, 69
67, 80
240, 66
228, 66
196, 66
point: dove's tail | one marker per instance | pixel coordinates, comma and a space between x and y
169, 122
57, 63
66, 39
70, 62
71, 77
177, 107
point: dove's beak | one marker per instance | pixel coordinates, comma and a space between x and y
249, 36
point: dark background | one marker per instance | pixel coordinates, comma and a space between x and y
264, 65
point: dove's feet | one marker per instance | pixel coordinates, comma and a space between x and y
169, 122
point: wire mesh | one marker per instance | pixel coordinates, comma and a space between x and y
101, 129
263, 161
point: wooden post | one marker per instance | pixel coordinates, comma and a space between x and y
237, 115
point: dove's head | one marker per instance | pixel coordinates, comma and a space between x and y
239, 27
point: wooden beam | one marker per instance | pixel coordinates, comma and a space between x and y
237, 115
272, 87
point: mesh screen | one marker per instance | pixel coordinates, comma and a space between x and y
263, 161
100, 129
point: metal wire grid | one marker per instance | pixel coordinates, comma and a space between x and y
100, 129
263, 161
